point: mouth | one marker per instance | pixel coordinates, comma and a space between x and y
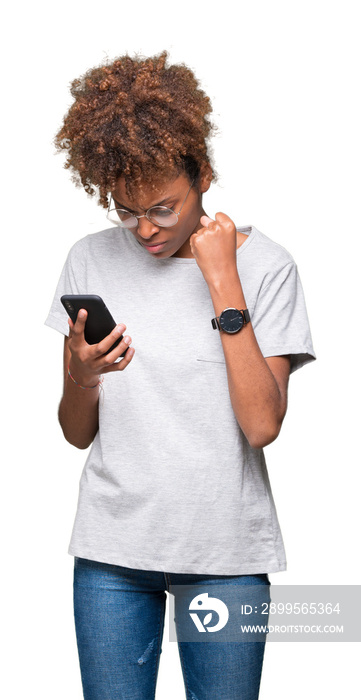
154, 247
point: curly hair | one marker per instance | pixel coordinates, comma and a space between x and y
137, 118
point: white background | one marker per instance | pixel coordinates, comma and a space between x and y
283, 78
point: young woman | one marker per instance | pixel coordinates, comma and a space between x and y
174, 495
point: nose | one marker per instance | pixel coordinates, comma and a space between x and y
146, 228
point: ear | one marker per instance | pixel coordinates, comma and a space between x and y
206, 177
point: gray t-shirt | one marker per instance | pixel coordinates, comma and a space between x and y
170, 482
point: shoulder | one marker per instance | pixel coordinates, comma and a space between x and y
262, 259
272, 251
265, 267
99, 241
101, 246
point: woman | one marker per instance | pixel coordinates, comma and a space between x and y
174, 494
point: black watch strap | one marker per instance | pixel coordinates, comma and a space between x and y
244, 312
246, 315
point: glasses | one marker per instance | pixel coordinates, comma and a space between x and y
161, 216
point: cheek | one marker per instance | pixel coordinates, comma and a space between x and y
188, 225
177, 232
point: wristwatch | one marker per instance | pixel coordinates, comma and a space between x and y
231, 320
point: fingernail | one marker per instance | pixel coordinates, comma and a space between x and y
119, 329
127, 339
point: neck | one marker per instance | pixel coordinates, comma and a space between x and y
185, 250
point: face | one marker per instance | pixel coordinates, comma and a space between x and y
175, 239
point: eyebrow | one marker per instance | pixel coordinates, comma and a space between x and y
159, 204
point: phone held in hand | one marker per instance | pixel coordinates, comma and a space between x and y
99, 321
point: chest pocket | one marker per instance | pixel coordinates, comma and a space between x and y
209, 347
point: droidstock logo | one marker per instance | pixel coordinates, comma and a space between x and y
203, 602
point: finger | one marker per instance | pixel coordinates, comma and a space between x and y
104, 346
124, 362
205, 220
223, 218
111, 357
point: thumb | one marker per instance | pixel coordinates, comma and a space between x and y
79, 324
82, 315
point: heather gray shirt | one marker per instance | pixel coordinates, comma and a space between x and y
170, 482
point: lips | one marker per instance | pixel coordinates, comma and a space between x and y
154, 247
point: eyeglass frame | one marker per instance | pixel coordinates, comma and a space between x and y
156, 206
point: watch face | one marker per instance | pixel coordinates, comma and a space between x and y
231, 320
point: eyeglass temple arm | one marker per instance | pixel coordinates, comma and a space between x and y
192, 183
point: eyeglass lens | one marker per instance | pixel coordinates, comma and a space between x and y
161, 216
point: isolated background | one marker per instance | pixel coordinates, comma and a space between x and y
283, 80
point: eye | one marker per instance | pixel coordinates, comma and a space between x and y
163, 216
161, 212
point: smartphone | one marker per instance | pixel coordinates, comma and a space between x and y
99, 321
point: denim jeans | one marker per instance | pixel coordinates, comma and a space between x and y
119, 621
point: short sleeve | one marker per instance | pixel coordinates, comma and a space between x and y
280, 321
72, 281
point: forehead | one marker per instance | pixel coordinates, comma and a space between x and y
148, 196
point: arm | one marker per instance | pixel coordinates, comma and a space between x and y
78, 409
258, 387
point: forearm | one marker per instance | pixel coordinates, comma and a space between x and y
78, 409
78, 413
254, 392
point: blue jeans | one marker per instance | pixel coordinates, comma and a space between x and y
119, 621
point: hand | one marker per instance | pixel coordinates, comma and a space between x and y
89, 361
214, 247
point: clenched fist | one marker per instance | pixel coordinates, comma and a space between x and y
214, 247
